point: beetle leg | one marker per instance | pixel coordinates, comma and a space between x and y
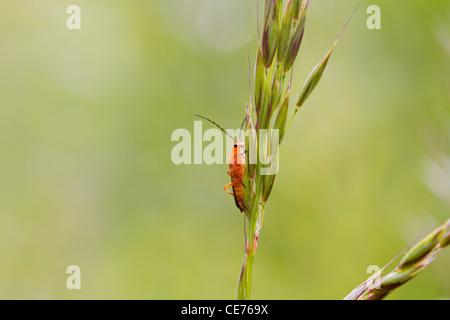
228, 186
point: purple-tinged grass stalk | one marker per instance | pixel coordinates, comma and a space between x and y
415, 260
282, 36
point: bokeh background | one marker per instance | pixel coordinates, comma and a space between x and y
86, 177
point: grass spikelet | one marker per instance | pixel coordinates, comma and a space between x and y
414, 262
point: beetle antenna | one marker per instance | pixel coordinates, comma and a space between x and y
197, 115
242, 125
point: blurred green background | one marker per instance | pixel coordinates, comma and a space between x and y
86, 177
